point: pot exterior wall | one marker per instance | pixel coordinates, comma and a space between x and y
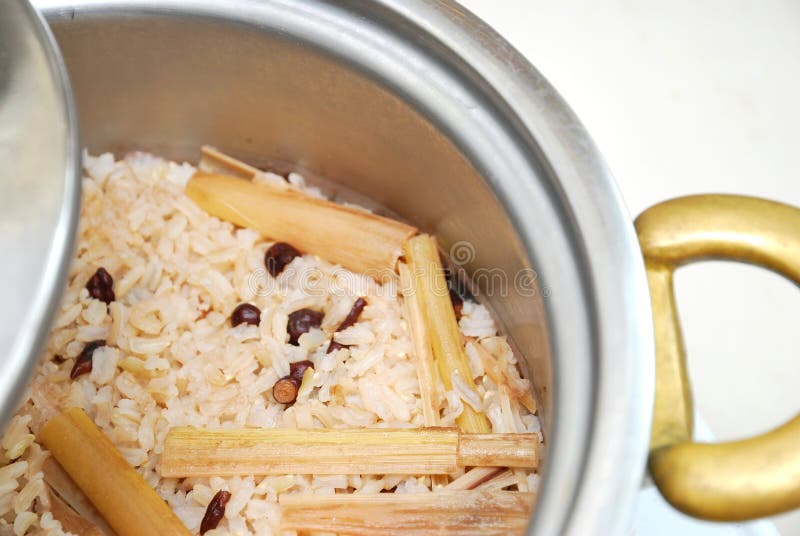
423, 109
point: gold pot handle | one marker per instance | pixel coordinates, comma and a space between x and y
737, 480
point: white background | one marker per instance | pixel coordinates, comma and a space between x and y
692, 96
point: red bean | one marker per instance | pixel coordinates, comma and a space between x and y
352, 316
100, 286
285, 390
245, 313
298, 369
278, 256
215, 511
350, 319
334, 346
302, 321
83, 363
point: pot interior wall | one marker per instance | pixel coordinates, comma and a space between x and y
168, 85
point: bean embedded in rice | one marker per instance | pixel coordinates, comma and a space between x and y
172, 358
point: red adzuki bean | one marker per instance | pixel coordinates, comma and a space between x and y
302, 321
278, 256
101, 286
350, 319
285, 390
298, 369
83, 363
215, 511
245, 313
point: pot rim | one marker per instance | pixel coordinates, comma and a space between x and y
57, 218
600, 320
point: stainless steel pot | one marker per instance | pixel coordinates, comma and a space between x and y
419, 106
423, 108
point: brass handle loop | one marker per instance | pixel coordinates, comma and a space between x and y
736, 480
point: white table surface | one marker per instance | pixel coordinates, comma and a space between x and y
691, 97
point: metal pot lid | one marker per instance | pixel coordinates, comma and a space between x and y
39, 192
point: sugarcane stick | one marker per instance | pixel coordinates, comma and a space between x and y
422, 256
191, 452
129, 505
359, 241
465, 513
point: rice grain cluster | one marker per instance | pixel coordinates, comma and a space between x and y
172, 358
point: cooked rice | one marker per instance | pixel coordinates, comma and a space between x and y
172, 358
